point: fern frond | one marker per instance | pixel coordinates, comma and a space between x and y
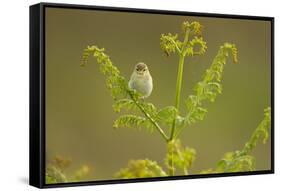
141, 169
242, 160
167, 115
129, 104
261, 131
196, 46
124, 104
132, 121
116, 83
149, 108
210, 86
169, 43
235, 162
195, 28
231, 162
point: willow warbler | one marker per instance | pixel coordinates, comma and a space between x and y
141, 80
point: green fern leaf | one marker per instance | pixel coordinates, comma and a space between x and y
116, 83
210, 86
169, 43
234, 162
261, 131
167, 115
132, 121
124, 103
149, 108
141, 169
197, 46
242, 160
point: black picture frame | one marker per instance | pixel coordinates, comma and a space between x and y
37, 94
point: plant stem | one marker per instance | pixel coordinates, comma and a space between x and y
182, 54
178, 92
160, 130
179, 81
177, 103
171, 164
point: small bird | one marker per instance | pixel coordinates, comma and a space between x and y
141, 80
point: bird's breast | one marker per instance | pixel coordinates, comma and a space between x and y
142, 84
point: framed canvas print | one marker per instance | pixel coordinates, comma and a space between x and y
127, 95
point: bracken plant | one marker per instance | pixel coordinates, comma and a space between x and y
145, 115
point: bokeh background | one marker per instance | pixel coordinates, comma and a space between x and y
79, 114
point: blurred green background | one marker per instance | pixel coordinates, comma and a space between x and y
79, 114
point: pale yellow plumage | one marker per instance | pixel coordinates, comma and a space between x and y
141, 80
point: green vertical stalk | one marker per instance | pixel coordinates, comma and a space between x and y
179, 79
178, 92
171, 165
177, 104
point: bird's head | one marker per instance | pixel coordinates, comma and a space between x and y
141, 69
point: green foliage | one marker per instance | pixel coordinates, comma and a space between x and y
55, 171
124, 97
141, 169
169, 43
132, 121
142, 114
195, 28
242, 160
191, 45
196, 46
114, 82
235, 162
210, 86
166, 115
134, 105
182, 157
55, 175
261, 131
196, 42
124, 103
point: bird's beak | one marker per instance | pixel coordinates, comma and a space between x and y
139, 72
